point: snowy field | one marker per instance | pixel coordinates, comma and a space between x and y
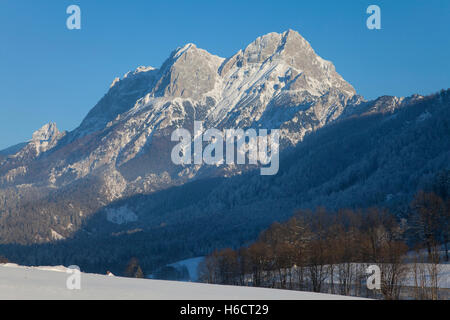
17, 282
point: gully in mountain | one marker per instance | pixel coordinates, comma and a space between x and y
256, 147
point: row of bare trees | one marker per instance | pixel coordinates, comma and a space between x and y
325, 251
430, 221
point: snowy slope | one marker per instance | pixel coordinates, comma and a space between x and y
18, 282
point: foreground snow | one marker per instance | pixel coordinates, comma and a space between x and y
17, 282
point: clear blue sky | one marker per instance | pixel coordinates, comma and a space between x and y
49, 73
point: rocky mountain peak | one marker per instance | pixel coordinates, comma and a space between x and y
42, 140
273, 45
46, 133
186, 49
189, 72
291, 54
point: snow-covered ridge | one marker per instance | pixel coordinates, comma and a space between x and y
273, 66
272, 83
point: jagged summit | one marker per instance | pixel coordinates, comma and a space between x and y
187, 64
42, 140
46, 132
275, 44
189, 72
275, 69
188, 46
45, 138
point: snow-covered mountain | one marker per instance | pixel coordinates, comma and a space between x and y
123, 146
276, 82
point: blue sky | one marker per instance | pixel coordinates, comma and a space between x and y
50, 73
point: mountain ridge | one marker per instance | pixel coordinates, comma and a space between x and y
277, 81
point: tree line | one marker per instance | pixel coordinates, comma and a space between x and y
329, 251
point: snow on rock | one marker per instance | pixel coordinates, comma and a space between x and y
120, 215
114, 82
44, 268
113, 185
56, 235
46, 137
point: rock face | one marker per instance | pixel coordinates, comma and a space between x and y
46, 138
123, 145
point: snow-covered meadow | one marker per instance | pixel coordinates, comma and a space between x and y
18, 282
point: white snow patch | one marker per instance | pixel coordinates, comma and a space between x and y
424, 116
120, 215
56, 235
